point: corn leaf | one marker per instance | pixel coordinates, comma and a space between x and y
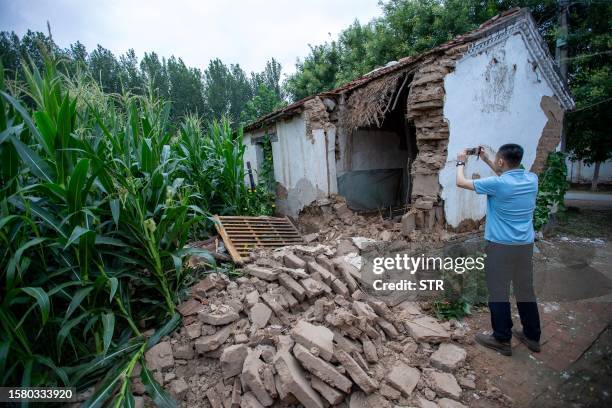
42, 299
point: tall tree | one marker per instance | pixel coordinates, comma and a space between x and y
105, 69
155, 75
130, 76
10, 51
217, 79
185, 88
590, 78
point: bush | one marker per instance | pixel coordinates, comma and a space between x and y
98, 199
551, 189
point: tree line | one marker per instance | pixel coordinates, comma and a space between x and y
218, 91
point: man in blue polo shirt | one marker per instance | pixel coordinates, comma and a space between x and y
511, 199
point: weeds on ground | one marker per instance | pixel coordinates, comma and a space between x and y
585, 223
461, 293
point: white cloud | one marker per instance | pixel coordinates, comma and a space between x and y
239, 31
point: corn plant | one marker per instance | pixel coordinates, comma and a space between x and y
94, 218
217, 156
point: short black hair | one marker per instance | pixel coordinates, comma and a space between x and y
512, 154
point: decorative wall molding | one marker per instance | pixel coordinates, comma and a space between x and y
525, 26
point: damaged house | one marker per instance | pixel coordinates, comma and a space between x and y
389, 139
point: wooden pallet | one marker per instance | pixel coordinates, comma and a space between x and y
241, 235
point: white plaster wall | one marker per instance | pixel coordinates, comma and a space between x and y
300, 164
578, 172
490, 103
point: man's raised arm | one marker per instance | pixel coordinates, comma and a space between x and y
461, 180
485, 158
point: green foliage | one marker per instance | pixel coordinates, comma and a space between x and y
98, 198
218, 91
407, 27
590, 79
265, 101
461, 292
552, 187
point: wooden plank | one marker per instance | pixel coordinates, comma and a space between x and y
228, 242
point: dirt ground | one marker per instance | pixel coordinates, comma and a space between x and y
573, 279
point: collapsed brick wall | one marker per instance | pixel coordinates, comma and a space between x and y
426, 110
551, 134
316, 116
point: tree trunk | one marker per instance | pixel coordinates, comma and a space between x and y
595, 177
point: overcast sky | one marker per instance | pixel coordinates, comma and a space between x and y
237, 31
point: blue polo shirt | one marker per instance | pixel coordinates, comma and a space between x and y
511, 200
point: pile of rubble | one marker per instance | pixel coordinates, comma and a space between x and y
296, 329
327, 220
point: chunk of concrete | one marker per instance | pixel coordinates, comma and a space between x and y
160, 356
212, 342
309, 335
403, 377
363, 309
339, 287
427, 329
293, 380
183, 351
220, 317
346, 344
444, 384
178, 388
312, 287
260, 272
293, 261
252, 379
389, 392
292, 286
369, 350
252, 297
346, 270
194, 330
332, 395
448, 357
321, 368
232, 360
213, 281
315, 268
190, 307
361, 378
260, 315
363, 243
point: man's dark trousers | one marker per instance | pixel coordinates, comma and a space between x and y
505, 264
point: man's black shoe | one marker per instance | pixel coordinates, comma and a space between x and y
491, 342
531, 344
